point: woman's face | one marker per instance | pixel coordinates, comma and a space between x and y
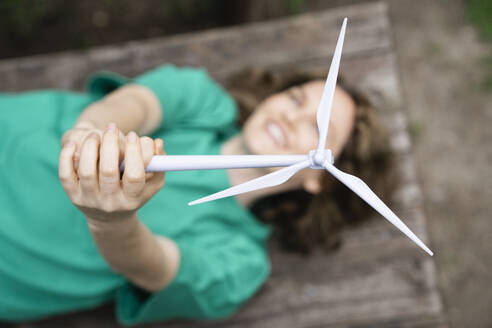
285, 123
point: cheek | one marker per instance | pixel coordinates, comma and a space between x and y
253, 124
252, 133
307, 138
256, 118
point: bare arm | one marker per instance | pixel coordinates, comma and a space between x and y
110, 204
130, 248
131, 108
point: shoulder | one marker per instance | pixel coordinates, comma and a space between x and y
179, 79
189, 96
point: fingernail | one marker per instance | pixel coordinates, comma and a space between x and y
94, 135
132, 136
69, 144
111, 127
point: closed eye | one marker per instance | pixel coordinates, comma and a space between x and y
298, 95
294, 97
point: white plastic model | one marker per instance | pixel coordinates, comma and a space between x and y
319, 158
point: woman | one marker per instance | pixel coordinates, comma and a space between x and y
170, 260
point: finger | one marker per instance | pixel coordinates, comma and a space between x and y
66, 137
85, 125
79, 137
66, 171
109, 173
134, 175
155, 183
87, 172
147, 145
159, 146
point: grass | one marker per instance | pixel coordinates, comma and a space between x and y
480, 14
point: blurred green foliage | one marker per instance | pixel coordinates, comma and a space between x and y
487, 62
295, 6
21, 18
33, 26
480, 14
36, 26
416, 130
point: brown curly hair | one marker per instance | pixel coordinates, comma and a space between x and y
302, 220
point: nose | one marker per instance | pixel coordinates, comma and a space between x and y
303, 128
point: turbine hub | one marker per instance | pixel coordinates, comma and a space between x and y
318, 158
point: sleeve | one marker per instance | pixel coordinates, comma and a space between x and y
217, 273
189, 97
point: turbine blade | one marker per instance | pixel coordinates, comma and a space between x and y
265, 181
325, 105
361, 189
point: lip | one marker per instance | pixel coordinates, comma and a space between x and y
277, 142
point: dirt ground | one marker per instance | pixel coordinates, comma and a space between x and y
450, 111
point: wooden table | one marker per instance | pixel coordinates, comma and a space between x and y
378, 278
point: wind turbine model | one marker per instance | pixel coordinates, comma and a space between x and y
317, 159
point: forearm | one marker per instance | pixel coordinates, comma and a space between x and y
131, 108
131, 249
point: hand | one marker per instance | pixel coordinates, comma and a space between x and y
79, 134
96, 188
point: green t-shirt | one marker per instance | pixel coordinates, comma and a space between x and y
48, 261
